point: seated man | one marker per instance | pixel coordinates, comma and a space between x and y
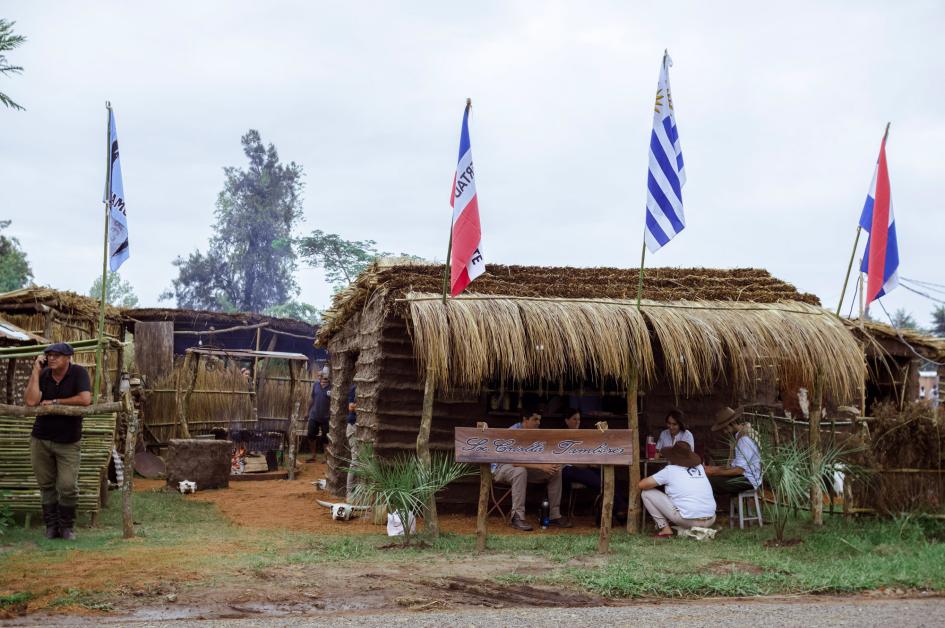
519, 475
587, 475
688, 500
743, 472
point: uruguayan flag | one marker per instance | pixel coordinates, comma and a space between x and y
664, 182
115, 197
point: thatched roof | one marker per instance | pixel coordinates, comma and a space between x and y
887, 338
39, 299
205, 318
529, 323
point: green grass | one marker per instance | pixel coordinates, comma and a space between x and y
844, 556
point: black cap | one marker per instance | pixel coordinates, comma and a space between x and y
59, 347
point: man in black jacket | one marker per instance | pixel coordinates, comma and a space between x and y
54, 446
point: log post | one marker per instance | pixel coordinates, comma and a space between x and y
185, 408
293, 418
127, 485
607, 503
485, 484
423, 448
11, 380
816, 455
633, 424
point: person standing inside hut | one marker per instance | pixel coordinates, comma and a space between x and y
519, 475
319, 409
54, 443
743, 471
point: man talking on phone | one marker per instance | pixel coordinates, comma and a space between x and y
54, 446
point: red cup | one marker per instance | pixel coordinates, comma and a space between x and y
651, 450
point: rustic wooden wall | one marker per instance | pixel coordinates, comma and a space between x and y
154, 349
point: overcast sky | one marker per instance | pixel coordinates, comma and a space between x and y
780, 114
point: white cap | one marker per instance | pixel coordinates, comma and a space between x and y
326, 372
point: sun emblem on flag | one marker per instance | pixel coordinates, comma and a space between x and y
659, 99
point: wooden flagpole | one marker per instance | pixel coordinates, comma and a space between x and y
640, 282
449, 248
856, 241
99, 361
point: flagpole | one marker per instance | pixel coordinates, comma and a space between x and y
856, 241
449, 247
96, 387
640, 282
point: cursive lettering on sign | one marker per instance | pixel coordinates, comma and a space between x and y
508, 446
476, 444
570, 447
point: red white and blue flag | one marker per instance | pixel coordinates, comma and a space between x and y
881, 259
466, 261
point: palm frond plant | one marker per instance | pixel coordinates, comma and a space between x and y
8, 41
403, 484
790, 469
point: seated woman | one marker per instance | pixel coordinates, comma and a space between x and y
688, 500
743, 472
675, 432
587, 475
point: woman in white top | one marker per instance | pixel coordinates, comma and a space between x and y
675, 432
688, 501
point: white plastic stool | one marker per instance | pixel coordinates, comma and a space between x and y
743, 515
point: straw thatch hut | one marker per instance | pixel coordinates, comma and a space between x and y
59, 316
236, 386
549, 338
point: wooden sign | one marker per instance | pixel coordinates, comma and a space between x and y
542, 446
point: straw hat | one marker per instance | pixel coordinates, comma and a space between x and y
682, 455
725, 416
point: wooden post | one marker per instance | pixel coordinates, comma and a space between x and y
423, 448
11, 378
485, 484
183, 405
607, 503
293, 418
816, 455
128, 487
633, 424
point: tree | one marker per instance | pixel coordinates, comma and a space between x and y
15, 271
297, 310
119, 292
8, 41
902, 319
343, 260
938, 321
250, 262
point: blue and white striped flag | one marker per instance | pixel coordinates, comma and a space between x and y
666, 177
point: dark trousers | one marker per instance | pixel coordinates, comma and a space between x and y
589, 477
731, 485
317, 433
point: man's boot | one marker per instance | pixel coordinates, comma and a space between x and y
51, 519
67, 522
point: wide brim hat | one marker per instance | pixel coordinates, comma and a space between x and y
725, 416
682, 455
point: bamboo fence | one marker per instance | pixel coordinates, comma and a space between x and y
18, 487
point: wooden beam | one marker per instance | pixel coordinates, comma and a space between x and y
220, 331
293, 419
633, 424
607, 503
816, 454
423, 448
30, 411
485, 484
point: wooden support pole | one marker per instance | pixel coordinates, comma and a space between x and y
293, 418
423, 448
816, 455
485, 486
633, 424
127, 486
183, 405
11, 379
607, 503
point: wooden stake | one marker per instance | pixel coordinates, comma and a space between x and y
127, 487
633, 424
423, 448
607, 503
293, 418
640, 282
485, 485
816, 494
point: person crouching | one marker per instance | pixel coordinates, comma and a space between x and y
54, 443
688, 501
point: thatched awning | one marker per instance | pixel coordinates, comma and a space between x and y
39, 299
880, 338
475, 338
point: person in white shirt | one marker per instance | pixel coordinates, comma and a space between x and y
688, 501
743, 472
675, 431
